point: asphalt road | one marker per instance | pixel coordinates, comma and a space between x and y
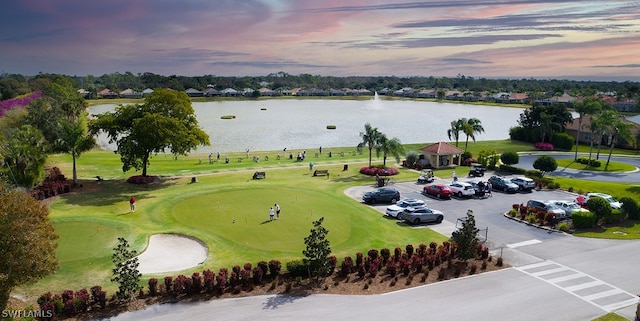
554, 276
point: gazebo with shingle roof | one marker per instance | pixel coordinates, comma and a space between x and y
441, 154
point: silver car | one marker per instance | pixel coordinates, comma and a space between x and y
569, 207
421, 215
401, 205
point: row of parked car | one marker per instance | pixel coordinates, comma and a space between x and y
478, 188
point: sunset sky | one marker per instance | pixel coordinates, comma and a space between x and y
586, 40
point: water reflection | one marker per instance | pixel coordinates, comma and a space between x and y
295, 124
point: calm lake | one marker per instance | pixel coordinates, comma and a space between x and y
297, 124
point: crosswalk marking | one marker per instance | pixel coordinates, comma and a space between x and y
523, 243
596, 292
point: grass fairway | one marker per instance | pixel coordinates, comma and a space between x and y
90, 221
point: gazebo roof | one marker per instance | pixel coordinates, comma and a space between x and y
442, 148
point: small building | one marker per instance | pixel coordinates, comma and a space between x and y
192, 92
441, 154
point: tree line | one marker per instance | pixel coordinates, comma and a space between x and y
12, 85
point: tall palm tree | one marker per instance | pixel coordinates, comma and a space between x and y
471, 127
618, 129
389, 146
74, 139
605, 125
370, 138
456, 127
583, 108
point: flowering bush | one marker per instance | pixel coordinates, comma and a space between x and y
19, 101
372, 171
543, 146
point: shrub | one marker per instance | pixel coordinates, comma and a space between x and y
392, 268
615, 216
257, 275
409, 249
82, 299
563, 141
372, 171
531, 219
359, 259
333, 261
264, 266
347, 266
179, 284
512, 169
599, 207
412, 158
583, 219
209, 280
533, 173
385, 254
509, 158
297, 268
466, 155
630, 208
543, 146
196, 283
168, 282
141, 180
274, 267
153, 286
248, 266
564, 227
513, 212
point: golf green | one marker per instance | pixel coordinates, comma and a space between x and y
241, 216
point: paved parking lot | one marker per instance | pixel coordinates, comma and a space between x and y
501, 231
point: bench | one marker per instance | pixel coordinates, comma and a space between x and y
321, 172
99, 178
259, 175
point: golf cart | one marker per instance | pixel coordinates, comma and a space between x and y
426, 176
477, 170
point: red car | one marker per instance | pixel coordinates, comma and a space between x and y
438, 190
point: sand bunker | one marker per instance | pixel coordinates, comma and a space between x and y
171, 252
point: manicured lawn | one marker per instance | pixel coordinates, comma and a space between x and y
228, 212
613, 166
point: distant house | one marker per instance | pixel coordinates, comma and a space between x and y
248, 91
441, 154
192, 92
229, 92
147, 92
85, 93
266, 92
107, 94
129, 93
211, 92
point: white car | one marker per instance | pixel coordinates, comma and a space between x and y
612, 201
569, 207
401, 205
462, 189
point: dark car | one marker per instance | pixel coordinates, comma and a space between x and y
438, 190
382, 195
503, 184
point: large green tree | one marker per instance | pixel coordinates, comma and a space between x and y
24, 153
27, 241
618, 129
370, 137
545, 164
387, 147
165, 122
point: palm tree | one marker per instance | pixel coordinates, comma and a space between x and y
370, 137
74, 139
389, 146
605, 124
471, 127
618, 129
456, 128
583, 108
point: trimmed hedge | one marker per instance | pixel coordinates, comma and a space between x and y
372, 171
583, 219
298, 268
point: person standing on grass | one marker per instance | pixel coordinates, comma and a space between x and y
310, 166
132, 204
271, 213
277, 210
